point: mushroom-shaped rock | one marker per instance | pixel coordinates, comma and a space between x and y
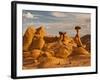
64, 38
61, 36
28, 36
77, 37
77, 28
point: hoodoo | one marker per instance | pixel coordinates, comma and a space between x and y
38, 40
77, 37
28, 36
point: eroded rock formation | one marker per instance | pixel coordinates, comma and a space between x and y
28, 36
41, 51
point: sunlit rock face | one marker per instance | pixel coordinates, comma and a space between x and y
38, 39
41, 31
37, 43
42, 51
28, 36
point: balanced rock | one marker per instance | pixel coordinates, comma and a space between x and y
64, 38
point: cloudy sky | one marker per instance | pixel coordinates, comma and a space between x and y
57, 21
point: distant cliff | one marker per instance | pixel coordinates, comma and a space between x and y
87, 41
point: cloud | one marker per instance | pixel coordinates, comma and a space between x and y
58, 14
29, 15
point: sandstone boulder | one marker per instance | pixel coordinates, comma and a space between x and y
62, 52
35, 53
41, 31
27, 38
38, 40
37, 43
80, 51
26, 54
